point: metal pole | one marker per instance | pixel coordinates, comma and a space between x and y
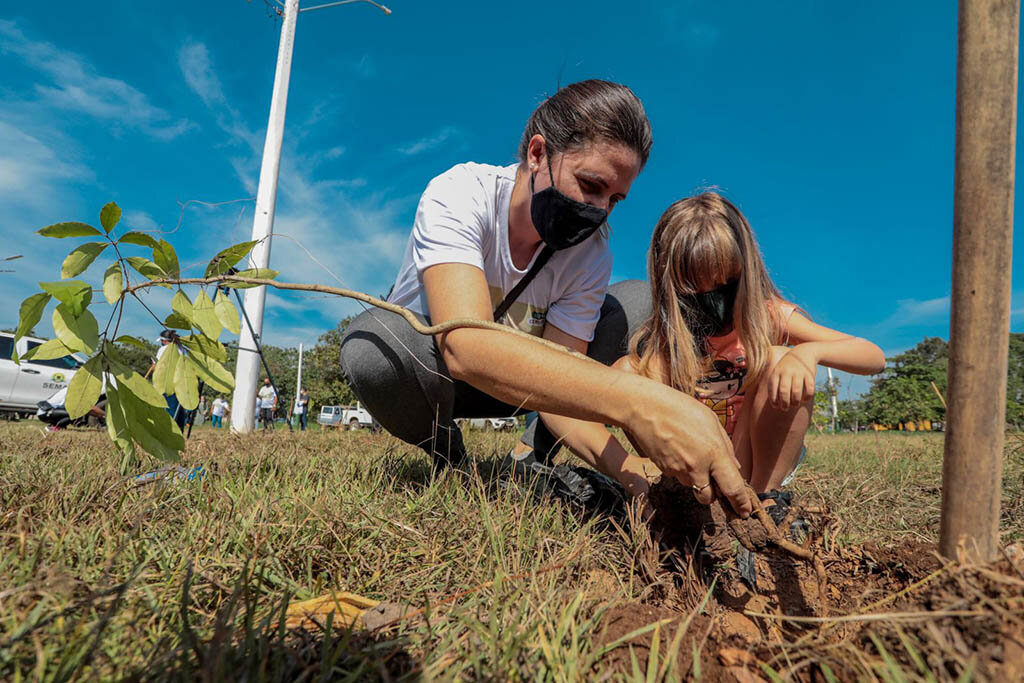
243, 402
835, 404
298, 383
986, 119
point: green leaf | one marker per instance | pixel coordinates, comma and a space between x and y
146, 268
70, 229
81, 258
75, 293
207, 347
134, 341
117, 423
186, 386
139, 238
84, 388
113, 283
47, 351
30, 312
226, 312
166, 259
136, 384
178, 322
79, 333
206, 316
110, 214
163, 374
151, 426
181, 305
226, 258
213, 373
262, 273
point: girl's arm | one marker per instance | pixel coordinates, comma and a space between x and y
599, 448
791, 381
676, 431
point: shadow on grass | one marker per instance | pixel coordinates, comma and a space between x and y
244, 647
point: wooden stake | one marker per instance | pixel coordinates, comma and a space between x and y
986, 118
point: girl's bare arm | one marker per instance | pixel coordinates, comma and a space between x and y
835, 349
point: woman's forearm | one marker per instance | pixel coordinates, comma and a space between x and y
522, 373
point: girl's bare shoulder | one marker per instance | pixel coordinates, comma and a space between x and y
630, 364
626, 364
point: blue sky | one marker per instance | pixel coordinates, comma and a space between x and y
830, 124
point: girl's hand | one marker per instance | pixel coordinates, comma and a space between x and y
791, 381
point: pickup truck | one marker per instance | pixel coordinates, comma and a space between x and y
489, 424
23, 386
348, 417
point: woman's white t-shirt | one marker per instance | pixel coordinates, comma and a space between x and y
463, 218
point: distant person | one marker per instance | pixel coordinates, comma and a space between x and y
201, 411
177, 411
720, 331
267, 400
302, 408
217, 411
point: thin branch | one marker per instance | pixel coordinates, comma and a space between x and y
409, 316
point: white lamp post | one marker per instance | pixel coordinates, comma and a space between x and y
247, 369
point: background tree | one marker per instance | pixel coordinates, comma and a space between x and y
904, 392
321, 371
138, 356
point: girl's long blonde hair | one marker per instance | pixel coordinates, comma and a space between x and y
699, 243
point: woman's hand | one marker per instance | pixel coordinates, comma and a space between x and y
686, 440
791, 381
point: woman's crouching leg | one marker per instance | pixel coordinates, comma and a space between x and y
401, 379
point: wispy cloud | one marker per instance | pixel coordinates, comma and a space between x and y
200, 77
75, 85
430, 142
139, 220
358, 238
914, 312
31, 169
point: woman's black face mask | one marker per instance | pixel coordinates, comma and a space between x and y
561, 221
709, 314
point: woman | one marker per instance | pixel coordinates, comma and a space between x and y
482, 230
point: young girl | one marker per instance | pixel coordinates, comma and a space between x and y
720, 331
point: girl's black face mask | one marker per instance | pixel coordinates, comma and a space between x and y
561, 221
709, 314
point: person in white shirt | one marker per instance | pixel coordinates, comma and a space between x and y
267, 401
482, 230
301, 409
217, 411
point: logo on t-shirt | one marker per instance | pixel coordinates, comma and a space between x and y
522, 316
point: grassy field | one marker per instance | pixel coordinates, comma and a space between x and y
104, 579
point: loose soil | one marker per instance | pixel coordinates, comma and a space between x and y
971, 616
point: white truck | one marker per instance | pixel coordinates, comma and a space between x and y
347, 417
24, 385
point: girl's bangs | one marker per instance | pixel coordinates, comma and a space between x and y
709, 258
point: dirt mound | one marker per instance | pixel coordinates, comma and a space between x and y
898, 606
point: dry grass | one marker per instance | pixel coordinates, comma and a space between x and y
100, 579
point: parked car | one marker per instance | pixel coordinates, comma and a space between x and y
329, 416
53, 412
348, 417
24, 385
489, 424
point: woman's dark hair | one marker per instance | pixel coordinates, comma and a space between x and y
586, 111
